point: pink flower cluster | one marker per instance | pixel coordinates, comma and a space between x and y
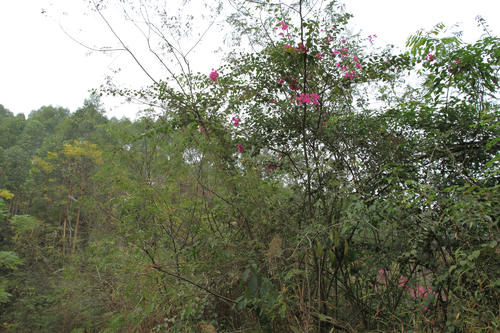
301, 48
420, 292
271, 167
240, 148
371, 37
283, 25
350, 75
430, 57
202, 129
236, 121
307, 99
214, 75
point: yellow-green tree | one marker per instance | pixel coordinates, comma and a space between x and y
65, 180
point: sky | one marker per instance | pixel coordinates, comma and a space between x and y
40, 64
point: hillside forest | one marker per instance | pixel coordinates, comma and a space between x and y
314, 182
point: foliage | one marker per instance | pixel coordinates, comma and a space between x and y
308, 185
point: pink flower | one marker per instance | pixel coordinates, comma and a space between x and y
299, 99
430, 57
307, 99
302, 48
293, 84
355, 59
338, 64
236, 121
350, 75
319, 56
283, 25
281, 81
335, 52
358, 65
324, 123
315, 98
282, 34
287, 46
240, 147
202, 129
344, 41
270, 167
371, 37
214, 75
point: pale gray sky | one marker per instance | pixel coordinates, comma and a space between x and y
41, 65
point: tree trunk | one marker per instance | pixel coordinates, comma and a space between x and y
76, 230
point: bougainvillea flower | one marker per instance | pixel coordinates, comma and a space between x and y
283, 25
371, 37
236, 121
315, 98
307, 99
240, 147
302, 48
430, 57
214, 75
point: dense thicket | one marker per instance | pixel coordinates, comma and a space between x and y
307, 186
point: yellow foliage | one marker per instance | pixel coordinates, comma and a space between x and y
42, 164
51, 155
6, 194
83, 149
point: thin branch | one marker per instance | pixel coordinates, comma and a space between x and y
103, 49
160, 269
122, 43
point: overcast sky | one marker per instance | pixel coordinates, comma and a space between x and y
40, 65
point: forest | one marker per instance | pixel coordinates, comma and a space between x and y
311, 183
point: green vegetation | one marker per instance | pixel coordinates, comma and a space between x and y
306, 186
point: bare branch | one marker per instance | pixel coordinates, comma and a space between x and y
122, 43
